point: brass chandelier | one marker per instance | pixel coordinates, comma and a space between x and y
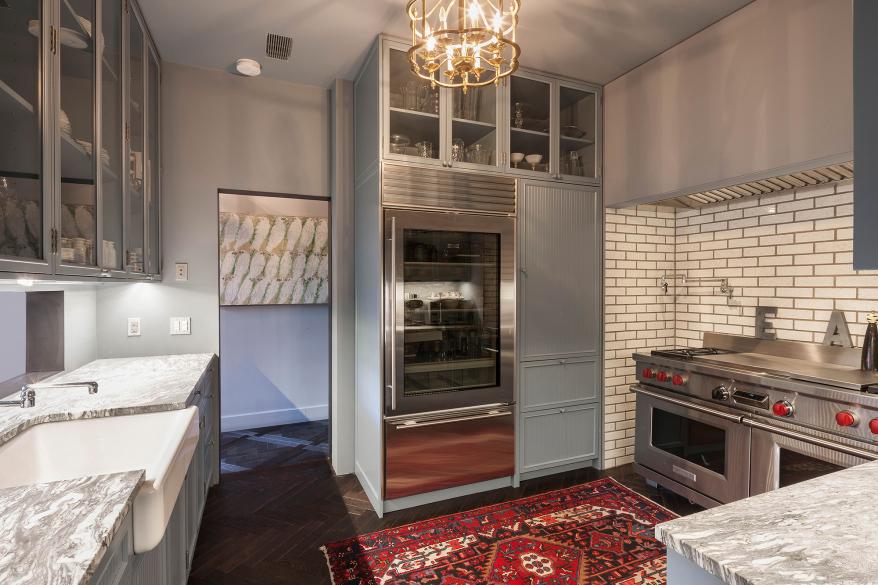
463, 43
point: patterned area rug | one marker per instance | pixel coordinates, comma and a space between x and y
599, 533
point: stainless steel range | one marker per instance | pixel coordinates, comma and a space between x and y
742, 416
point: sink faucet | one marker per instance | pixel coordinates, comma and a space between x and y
28, 394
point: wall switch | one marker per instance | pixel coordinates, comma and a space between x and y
181, 325
133, 326
181, 272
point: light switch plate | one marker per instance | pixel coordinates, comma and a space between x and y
181, 326
133, 326
181, 271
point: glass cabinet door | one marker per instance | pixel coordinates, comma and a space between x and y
474, 126
136, 177
414, 127
153, 166
77, 220
577, 133
451, 287
530, 113
23, 234
112, 246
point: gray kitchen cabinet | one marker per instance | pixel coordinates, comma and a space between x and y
557, 383
71, 183
558, 437
560, 382
865, 135
170, 562
559, 258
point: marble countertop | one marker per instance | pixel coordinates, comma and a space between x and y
58, 533
125, 386
821, 531
60, 530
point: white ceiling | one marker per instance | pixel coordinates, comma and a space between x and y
593, 40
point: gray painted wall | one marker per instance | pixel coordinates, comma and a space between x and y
275, 365
765, 89
12, 342
218, 131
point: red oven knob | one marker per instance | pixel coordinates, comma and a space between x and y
782, 408
678, 380
873, 426
648, 373
846, 418
662, 376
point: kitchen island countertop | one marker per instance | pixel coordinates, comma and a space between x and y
57, 533
824, 531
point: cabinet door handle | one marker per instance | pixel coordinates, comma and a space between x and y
523, 271
563, 410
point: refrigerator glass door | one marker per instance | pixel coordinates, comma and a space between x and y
449, 310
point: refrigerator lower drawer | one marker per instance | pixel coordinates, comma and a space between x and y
439, 455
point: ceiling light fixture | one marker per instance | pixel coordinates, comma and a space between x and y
248, 67
463, 43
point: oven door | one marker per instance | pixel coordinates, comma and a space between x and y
780, 456
698, 447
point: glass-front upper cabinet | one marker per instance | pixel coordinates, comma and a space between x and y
24, 211
112, 244
153, 168
134, 258
577, 132
474, 127
77, 182
530, 121
413, 125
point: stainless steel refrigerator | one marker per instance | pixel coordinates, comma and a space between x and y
449, 290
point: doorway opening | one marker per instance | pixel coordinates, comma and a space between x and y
275, 329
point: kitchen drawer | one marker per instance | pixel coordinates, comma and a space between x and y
557, 383
558, 436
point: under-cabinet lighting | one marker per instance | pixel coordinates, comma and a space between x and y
25, 281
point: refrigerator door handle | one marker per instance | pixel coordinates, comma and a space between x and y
414, 424
393, 381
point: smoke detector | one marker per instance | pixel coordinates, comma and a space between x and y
278, 46
248, 67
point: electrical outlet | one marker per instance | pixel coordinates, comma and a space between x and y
181, 271
133, 326
181, 326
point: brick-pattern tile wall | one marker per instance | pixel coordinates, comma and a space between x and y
792, 251
639, 249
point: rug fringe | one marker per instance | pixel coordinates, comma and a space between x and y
328, 564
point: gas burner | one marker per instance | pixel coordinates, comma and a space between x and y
689, 353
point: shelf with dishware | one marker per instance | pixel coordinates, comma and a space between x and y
74, 180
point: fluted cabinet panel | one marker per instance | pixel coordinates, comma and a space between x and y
559, 258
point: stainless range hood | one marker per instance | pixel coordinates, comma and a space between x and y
818, 176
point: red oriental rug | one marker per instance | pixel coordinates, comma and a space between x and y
599, 533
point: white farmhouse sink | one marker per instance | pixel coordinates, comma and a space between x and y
162, 443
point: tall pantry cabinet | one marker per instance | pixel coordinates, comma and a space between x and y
559, 326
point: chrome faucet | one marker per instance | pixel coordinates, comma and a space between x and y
27, 399
28, 394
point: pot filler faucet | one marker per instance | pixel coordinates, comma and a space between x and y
27, 398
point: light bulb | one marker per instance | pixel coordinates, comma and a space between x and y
497, 23
431, 43
474, 10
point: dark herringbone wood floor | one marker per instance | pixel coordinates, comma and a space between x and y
279, 501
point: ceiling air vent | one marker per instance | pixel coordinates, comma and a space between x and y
278, 46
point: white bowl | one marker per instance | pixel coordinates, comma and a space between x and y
534, 159
516, 157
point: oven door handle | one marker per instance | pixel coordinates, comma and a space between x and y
817, 441
686, 404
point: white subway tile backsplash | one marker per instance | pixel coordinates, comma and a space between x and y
796, 256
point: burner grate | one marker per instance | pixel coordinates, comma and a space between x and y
688, 352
